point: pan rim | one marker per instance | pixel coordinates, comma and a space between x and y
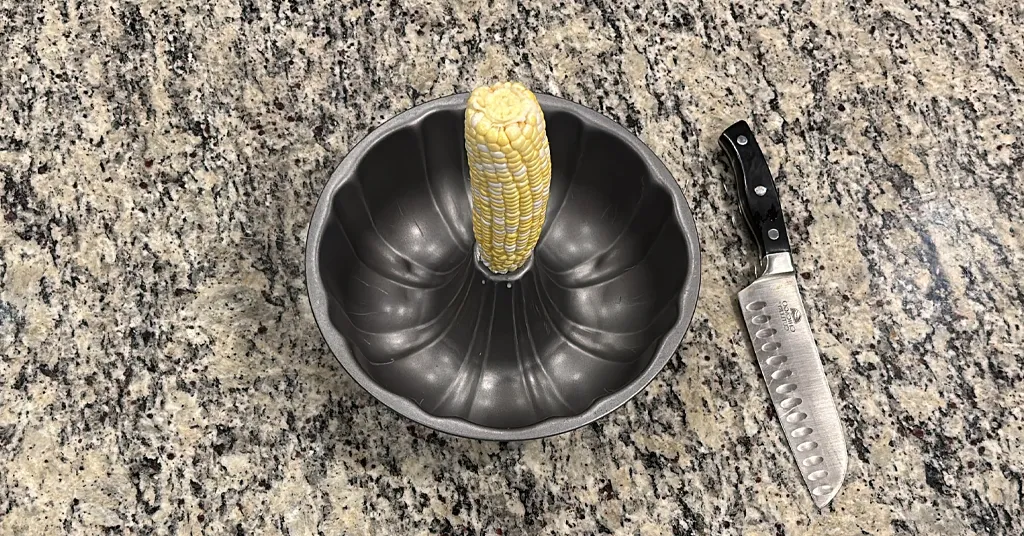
666, 346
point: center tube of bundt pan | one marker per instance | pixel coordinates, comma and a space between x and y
510, 176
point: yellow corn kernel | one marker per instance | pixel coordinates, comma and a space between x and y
510, 173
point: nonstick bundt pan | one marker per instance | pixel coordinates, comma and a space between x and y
412, 317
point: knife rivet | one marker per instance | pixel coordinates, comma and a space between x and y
773, 233
760, 190
742, 140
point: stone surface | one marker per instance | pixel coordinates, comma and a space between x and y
161, 371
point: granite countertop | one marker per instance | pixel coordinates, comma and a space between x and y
161, 370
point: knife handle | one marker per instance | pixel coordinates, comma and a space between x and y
758, 197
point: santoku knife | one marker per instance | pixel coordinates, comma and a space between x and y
778, 328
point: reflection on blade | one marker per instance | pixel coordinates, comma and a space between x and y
789, 361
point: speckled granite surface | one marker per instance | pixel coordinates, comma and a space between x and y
161, 371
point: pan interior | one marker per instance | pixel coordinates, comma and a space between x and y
396, 261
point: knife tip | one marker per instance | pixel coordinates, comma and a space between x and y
824, 494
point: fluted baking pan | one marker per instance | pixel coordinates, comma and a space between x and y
410, 316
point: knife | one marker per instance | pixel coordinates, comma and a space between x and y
777, 325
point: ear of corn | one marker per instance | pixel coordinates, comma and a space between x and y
510, 173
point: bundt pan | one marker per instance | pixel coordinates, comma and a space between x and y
412, 317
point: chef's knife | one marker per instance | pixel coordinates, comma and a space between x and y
778, 328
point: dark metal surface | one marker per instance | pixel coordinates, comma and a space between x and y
397, 296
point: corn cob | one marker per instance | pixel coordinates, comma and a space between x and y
510, 173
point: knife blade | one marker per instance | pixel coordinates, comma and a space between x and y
777, 325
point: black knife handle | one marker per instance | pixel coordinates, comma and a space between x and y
759, 199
